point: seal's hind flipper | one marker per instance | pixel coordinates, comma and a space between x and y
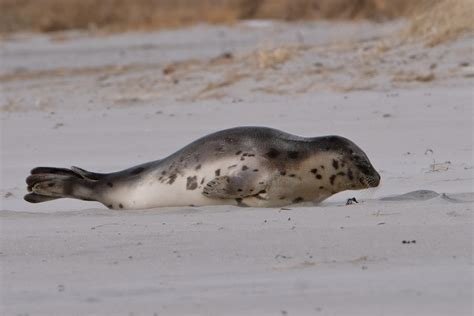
232, 187
58, 171
74, 172
59, 184
37, 198
87, 174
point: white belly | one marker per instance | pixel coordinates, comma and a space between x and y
150, 192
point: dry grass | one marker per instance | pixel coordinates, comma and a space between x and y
230, 79
334, 9
445, 20
404, 76
110, 15
433, 20
69, 72
271, 58
124, 15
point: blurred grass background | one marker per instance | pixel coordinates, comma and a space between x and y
439, 18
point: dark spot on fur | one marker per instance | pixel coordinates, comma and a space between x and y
239, 152
198, 167
262, 192
110, 206
328, 148
318, 176
238, 200
332, 178
282, 197
51, 184
245, 155
314, 170
202, 181
217, 172
321, 187
272, 153
322, 167
120, 205
239, 190
191, 183
255, 170
160, 178
251, 155
242, 158
110, 184
172, 178
244, 167
137, 170
163, 172
292, 175
335, 164
341, 173
293, 154
283, 173
261, 182
350, 175
298, 200
233, 166
361, 180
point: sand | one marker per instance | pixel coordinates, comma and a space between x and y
107, 103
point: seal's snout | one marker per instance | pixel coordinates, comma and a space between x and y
369, 174
374, 180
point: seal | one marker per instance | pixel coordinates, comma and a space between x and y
244, 166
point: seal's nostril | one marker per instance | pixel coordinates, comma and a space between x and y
375, 181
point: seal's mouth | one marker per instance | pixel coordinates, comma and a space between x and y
372, 181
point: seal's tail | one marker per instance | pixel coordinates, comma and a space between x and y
46, 184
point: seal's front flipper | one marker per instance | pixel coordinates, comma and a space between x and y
234, 187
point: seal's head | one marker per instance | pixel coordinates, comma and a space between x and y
352, 164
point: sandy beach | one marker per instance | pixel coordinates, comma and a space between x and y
105, 103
